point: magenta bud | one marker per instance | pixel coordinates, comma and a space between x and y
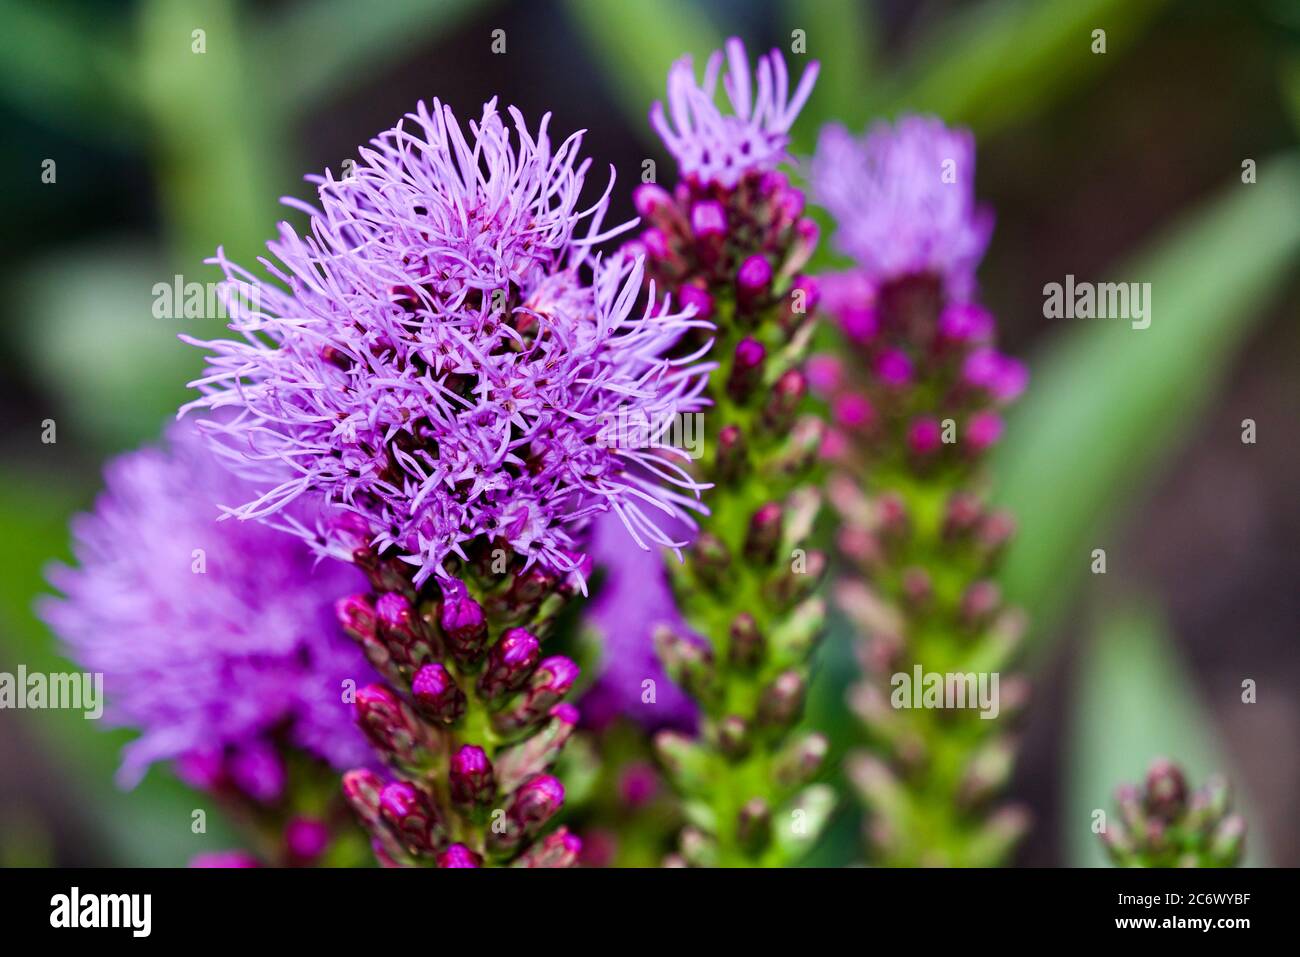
656, 244
649, 199
746, 368
473, 783
463, 622
391, 726
746, 646
1001, 376
458, 855
509, 663
853, 411
549, 683
709, 224
979, 602
536, 802
753, 282
924, 436
692, 295
437, 695
361, 788
732, 459
708, 219
258, 771
411, 815
894, 368
306, 839
1166, 789
764, 533
357, 616
983, 430
782, 701
560, 849
965, 322
787, 393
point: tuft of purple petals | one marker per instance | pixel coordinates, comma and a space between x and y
715, 147
903, 198
442, 356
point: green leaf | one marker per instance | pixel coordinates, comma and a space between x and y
1134, 702
637, 42
60, 65
1107, 403
842, 38
85, 327
1003, 60
218, 149
334, 43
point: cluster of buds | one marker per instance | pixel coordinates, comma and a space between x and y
471, 717
914, 407
1161, 824
925, 385
730, 240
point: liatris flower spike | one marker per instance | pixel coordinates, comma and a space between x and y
217, 642
914, 409
440, 367
1162, 825
731, 239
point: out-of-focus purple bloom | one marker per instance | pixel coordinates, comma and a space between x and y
441, 355
632, 601
715, 147
903, 198
211, 634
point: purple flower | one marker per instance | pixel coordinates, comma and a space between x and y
441, 354
211, 635
713, 147
634, 599
903, 198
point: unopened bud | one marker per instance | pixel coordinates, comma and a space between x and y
764, 534
391, 726
746, 369
782, 701
509, 663
410, 814
472, 782
746, 642
458, 855
436, 694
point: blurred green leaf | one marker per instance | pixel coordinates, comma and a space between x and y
218, 151
1134, 702
331, 42
1108, 403
67, 68
1003, 60
86, 330
842, 38
637, 42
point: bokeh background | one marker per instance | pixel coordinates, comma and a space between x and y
1123, 166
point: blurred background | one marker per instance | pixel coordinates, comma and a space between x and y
1125, 165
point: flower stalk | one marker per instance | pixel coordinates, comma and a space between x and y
913, 411
731, 241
